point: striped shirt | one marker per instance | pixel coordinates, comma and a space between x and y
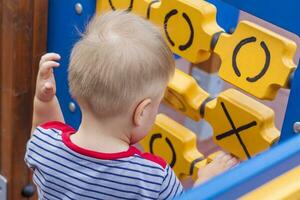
63, 170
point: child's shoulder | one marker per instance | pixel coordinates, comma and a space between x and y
56, 125
52, 130
150, 160
156, 160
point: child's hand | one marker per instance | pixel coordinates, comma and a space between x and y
220, 164
45, 84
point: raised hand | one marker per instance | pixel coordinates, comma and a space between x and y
45, 84
46, 106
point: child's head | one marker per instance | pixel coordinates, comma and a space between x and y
121, 66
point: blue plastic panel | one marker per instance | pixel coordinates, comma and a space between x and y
250, 174
284, 14
64, 27
227, 15
292, 113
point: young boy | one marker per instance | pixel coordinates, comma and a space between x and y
118, 73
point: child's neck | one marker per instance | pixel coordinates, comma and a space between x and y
106, 136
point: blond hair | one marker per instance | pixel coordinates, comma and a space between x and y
120, 58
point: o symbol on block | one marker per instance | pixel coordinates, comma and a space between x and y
189, 43
113, 7
168, 141
267, 61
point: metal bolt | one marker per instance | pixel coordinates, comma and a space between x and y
72, 106
297, 127
78, 8
28, 190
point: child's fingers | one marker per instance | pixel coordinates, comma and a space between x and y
49, 56
232, 162
220, 155
47, 66
224, 157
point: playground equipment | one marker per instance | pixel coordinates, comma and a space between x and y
254, 59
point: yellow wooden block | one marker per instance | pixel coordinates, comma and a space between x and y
188, 25
284, 187
242, 126
176, 144
185, 95
256, 60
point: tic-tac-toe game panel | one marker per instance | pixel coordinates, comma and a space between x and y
254, 59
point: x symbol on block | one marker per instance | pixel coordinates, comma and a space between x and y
235, 131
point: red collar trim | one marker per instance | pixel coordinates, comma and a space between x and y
67, 131
106, 156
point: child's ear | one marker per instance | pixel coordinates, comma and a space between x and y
140, 111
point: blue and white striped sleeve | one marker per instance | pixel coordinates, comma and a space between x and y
171, 186
29, 154
40, 134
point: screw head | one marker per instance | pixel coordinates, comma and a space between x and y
297, 127
28, 190
72, 107
78, 8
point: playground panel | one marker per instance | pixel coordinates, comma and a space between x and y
199, 35
161, 12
